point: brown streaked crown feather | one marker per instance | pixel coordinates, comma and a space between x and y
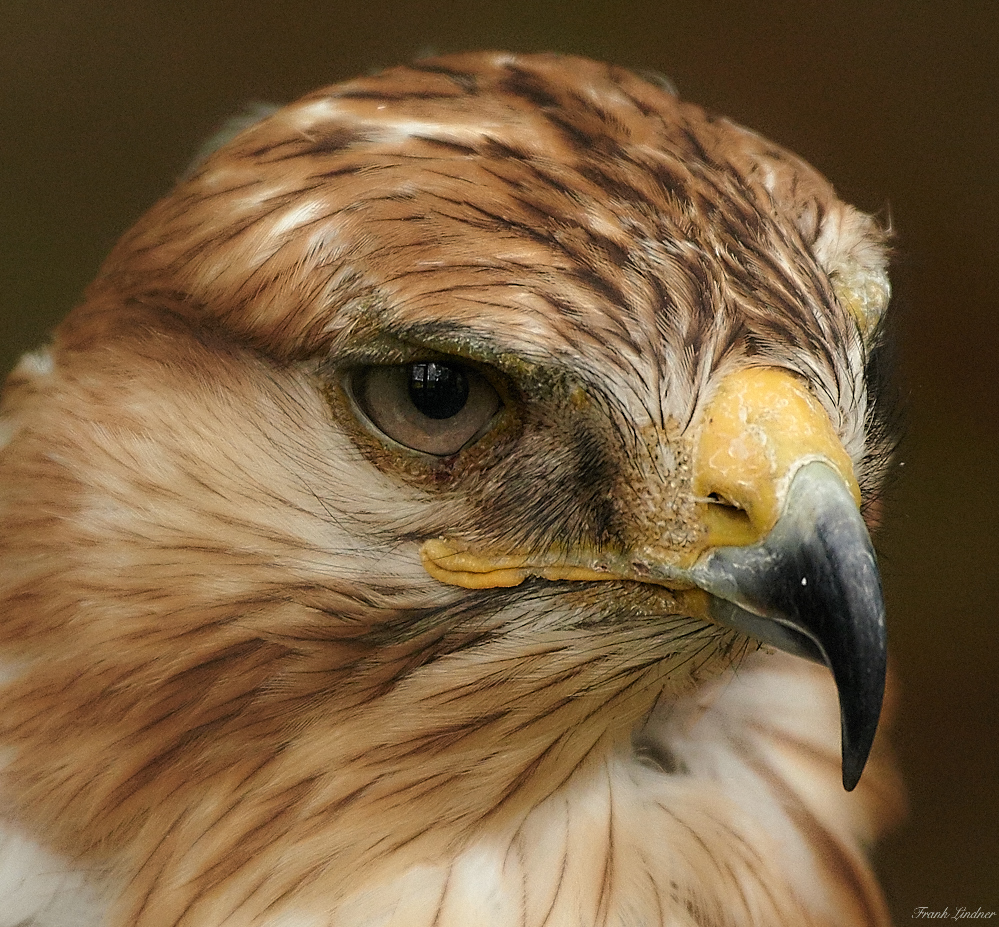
235, 692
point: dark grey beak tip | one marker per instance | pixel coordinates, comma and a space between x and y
856, 749
852, 768
860, 702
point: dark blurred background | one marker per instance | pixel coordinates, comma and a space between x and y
103, 104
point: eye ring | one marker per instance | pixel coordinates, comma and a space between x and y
436, 407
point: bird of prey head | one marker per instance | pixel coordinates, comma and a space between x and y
405, 528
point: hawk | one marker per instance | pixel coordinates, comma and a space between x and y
447, 507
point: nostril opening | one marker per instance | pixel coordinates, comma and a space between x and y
728, 521
719, 499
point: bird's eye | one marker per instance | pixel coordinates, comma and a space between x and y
436, 407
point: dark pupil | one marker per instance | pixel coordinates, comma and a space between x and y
438, 390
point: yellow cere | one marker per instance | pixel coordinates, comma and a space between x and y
759, 429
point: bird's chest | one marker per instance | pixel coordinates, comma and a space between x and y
617, 843
555, 868
561, 864
608, 849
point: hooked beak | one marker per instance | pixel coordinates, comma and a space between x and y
811, 587
789, 559
785, 557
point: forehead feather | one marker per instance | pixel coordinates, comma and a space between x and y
576, 208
